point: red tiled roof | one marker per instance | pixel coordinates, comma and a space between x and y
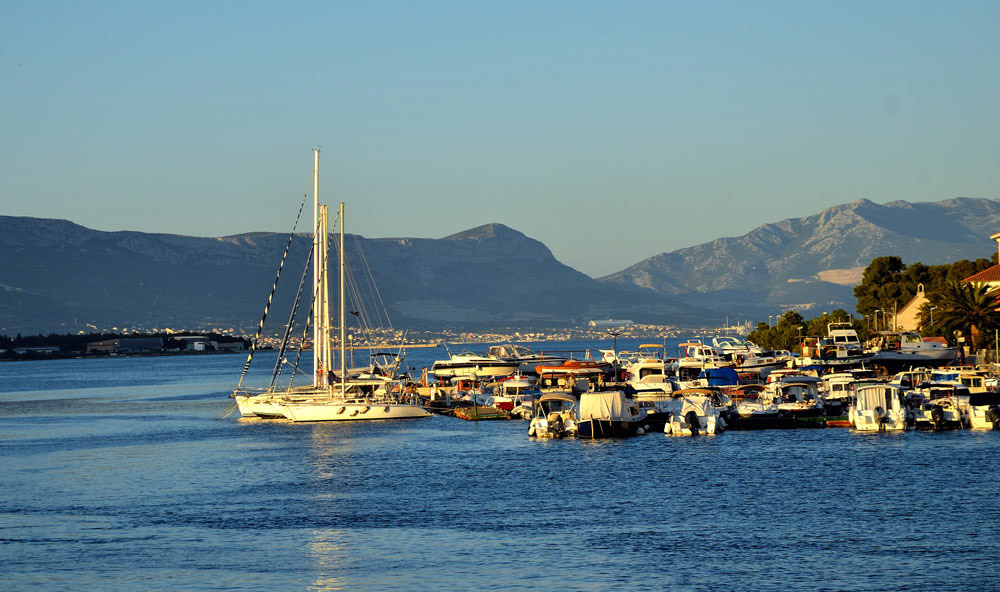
987, 275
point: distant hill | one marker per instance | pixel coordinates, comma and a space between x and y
814, 262
56, 276
59, 277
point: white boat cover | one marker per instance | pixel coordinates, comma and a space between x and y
700, 404
611, 405
874, 396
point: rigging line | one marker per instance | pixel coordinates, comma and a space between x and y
270, 297
377, 296
291, 320
305, 334
369, 280
302, 342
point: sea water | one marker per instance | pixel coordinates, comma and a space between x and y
116, 475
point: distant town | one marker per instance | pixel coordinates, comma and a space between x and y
118, 341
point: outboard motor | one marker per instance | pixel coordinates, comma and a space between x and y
691, 418
937, 416
993, 415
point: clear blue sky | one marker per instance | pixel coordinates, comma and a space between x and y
610, 131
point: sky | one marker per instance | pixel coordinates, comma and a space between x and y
610, 131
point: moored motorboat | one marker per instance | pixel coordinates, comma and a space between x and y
515, 394
695, 413
983, 412
525, 358
840, 348
879, 408
469, 365
555, 416
574, 375
609, 414
894, 352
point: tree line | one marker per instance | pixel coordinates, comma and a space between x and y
954, 308
77, 343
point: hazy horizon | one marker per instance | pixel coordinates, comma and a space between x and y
609, 131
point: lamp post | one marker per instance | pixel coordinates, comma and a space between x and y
614, 335
932, 315
875, 314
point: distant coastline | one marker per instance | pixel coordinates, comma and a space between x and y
130, 344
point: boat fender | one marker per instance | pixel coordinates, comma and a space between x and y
993, 415
691, 418
341, 410
640, 431
490, 401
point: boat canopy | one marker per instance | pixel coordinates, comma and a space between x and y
983, 399
720, 376
880, 395
610, 405
557, 397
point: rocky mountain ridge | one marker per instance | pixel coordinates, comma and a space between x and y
818, 259
59, 276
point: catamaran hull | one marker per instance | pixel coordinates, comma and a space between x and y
352, 411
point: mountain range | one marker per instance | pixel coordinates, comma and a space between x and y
57, 276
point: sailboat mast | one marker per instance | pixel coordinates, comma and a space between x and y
319, 371
324, 216
343, 306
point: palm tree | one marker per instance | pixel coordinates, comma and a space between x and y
968, 307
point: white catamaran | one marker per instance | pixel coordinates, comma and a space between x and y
333, 395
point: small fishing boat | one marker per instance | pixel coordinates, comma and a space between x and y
555, 416
696, 414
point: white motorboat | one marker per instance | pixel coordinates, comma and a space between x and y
879, 408
841, 348
516, 394
795, 396
525, 358
471, 366
939, 406
731, 345
609, 414
695, 413
647, 371
938, 414
555, 416
693, 357
908, 349
983, 411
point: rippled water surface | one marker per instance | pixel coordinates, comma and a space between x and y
116, 476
